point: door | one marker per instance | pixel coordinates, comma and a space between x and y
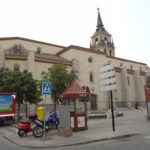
93, 102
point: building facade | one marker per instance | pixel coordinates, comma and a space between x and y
36, 57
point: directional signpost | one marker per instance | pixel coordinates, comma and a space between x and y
46, 90
108, 83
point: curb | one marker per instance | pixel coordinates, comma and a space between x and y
75, 144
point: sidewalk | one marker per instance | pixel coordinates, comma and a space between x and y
133, 123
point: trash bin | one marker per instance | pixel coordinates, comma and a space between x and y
40, 113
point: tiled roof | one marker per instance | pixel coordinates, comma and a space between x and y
29, 40
127, 60
73, 91
90, 50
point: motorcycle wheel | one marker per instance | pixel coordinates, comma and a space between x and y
21, 133
37, 131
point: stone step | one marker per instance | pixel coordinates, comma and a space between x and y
97, 116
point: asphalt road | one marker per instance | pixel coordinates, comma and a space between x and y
132, 143
6, 145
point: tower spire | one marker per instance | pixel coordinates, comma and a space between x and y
99, 22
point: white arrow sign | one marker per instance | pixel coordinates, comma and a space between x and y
108, 79
109, 88
107, 75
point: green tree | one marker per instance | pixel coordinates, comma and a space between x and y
60, 78
22, 83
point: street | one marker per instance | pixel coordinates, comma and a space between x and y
132, 143
133, 123
6, 145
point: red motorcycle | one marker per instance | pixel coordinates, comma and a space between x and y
24, 127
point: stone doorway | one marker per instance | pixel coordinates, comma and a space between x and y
93, 102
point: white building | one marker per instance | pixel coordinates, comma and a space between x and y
37, 56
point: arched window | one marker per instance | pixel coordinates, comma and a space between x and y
96, 41
91, 77
128, 79
90, 59
39, 49
110, 53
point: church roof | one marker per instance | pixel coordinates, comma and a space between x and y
127, 60
30, 40
90, 50
50, 58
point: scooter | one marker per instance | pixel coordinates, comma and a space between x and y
24, 127
50, 123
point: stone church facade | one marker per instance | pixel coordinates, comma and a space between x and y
36, 57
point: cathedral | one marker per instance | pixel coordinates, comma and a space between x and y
37, 56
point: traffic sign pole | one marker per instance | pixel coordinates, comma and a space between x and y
112, 111
45, 118
46, 90
108, 83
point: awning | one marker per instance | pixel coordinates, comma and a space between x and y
75, 91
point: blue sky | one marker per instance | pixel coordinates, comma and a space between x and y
68, 22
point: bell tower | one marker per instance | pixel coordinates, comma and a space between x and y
101, 39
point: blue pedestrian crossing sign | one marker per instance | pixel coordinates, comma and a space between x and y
46, 88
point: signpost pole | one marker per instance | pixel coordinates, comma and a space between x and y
45, 118
46, 90
112, 111
108, 83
